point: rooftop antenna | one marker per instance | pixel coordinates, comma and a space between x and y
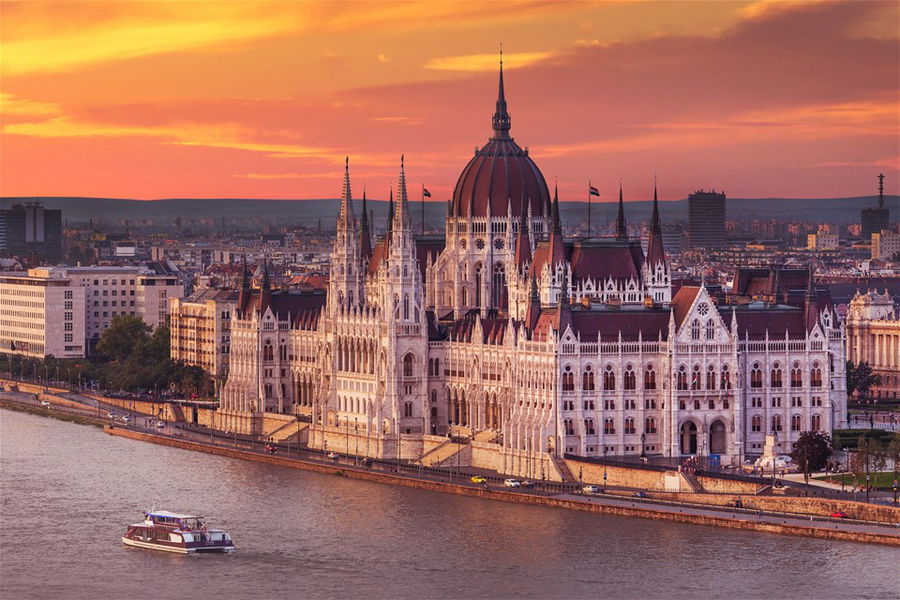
881, 190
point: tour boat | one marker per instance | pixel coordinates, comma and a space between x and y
173, 532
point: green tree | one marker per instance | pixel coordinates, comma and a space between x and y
811, 451
124, 334
893, 453
861, 378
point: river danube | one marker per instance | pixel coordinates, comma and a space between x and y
69, 492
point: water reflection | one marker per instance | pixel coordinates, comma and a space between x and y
69, 491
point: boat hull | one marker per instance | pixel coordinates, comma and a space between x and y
177, 549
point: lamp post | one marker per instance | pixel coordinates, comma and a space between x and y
356, 437
643, 438
605, 448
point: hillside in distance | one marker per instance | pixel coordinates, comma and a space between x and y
309, 212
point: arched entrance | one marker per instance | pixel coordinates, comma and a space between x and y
689, 437
717, 438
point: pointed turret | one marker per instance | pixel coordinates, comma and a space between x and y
557, 250
401, 214
265, 289
534, 306
244, 294
389, 234
345, 216
365, 236
656, 253
621, 227
500, 121
523, 238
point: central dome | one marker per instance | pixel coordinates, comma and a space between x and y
501, 176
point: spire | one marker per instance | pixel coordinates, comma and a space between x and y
401, 213
655, 252
365, 236
880, 186
500, 121
390, 219
523, 239
244, 294
557, 250
345, 217
265, 292
534, 306
621, 228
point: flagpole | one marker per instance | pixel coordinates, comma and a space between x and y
589, 208
423, 209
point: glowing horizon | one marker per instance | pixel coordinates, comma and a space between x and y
151, 100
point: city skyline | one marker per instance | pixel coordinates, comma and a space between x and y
264, 100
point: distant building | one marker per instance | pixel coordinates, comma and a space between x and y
875, 219
822, 241
706, 214
201, 330
41, 315
886, 245
873, 336
110, 291
31, 230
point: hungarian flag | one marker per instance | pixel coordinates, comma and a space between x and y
594, 191
426, 193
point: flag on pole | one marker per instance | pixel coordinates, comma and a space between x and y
594, 191
426, 193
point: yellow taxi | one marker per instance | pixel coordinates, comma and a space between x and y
477, 479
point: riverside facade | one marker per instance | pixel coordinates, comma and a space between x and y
527, 344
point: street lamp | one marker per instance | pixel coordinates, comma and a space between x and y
643, 452
356, 436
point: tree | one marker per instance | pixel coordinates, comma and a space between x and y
893, 453
811, 451
861, 378
124, 334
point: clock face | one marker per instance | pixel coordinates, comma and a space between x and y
479, 243
703, 309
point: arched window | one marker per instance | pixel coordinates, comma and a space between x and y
609, 379
569, 426
609, 427
695, 378
629, 380
795, 422
589, 427
776, 423
568, 379
756, 423
478, 285
407, 409
499, 292
710, 329
649, 378
756, 376
711, 377
405, 306
726, 378
650, 425
408, 365
268, 351
815, 376
695, 329
796, 376
681, 378
433, 396
776, 376
587, 379
629, 426
816, 423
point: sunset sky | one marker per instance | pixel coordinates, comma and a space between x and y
264, 99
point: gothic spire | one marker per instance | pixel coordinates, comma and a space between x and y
345, 217
365, 236
401, 214
390, 219
655, 251
500, 121
621, 228
557, 250
244, 294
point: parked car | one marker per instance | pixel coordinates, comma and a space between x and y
126, 419
639, 495
526, 483
512, 483
111, 415
591, 489
838, 514
477, 479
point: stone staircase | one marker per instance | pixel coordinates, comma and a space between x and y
563, 468
289, 432
441, 453
692, 481
487, 435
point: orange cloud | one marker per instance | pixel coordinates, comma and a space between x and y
486, 62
